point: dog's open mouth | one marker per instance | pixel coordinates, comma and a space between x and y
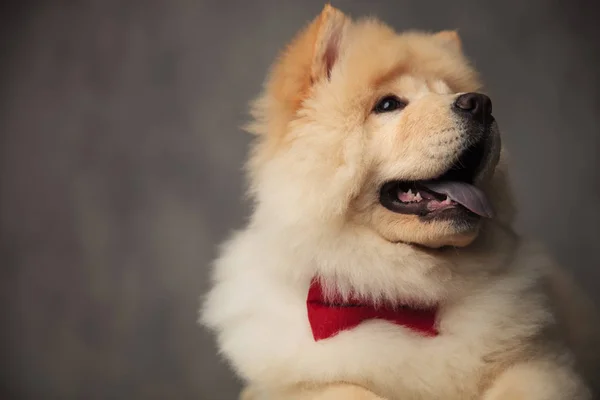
450, 193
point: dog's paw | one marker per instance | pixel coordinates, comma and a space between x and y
346, 392
329, 392
538, 381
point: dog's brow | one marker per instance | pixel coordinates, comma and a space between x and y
438, 86
391, 74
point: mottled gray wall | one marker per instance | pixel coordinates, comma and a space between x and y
120, 168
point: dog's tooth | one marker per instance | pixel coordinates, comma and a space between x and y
418, 197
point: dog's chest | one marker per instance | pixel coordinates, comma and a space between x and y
406, 368
279, 348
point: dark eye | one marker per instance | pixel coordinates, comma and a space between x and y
389, 103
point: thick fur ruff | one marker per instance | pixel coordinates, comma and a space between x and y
512, 326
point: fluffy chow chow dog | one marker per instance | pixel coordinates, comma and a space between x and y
379, 261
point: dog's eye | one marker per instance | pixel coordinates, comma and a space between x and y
389, 103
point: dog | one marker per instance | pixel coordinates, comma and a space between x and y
379, 261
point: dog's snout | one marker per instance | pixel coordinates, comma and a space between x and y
476, 105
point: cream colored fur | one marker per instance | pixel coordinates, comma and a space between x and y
507, 325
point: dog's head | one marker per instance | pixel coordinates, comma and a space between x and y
361, 125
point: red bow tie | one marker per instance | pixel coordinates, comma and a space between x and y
327, 318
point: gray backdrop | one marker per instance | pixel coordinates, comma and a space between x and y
121, 154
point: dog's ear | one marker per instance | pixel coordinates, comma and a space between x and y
331, 25
309, 58
450, 39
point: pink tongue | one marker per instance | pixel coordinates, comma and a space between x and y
464, 194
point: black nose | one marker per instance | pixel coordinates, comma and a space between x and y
478, 106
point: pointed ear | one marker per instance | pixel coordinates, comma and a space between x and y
331, 25
450, 39
308, 58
